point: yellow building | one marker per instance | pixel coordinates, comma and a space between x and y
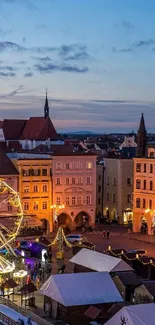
35, 187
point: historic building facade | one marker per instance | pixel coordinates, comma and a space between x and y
118, 187
74, 188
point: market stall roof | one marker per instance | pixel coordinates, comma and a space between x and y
79, 289
143, 314
9, 284
28, 288
99, 262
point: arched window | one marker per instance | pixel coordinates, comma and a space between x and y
152, 154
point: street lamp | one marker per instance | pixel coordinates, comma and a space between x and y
56, 208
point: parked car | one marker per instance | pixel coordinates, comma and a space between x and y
73, 238
25, 245
140, 252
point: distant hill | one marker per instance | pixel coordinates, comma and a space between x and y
82, 132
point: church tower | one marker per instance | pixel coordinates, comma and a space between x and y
46, 107
141, 139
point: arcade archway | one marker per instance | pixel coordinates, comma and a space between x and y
82, 219
45, 225
64, 221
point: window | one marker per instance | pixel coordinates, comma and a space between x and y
58, 201
45, 188
152, 154
144, 203
137, 203
44, 172
67, 165
26, 172
58, 165
26, 206
114, 181
26, 189
138, 183
150, 204
151, 185
35, 188
144, 168
73, 200
144, 184
129, 181
99, 189
151, 168
67, 181
88, 180
129, 198
78, 165
73, 180
107, 196
108, 180
44, 205
88, 199
67, 201
35, 205
89, 165
80, 180
79, 200
99, 200
113, 197
9, 207
35, 172
99, 177
138, 167
58, 181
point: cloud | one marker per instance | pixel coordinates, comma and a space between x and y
14, 92
49, 68
28, 75
21, 62
79, 56
42, 59
27, 3
7, 74
142, 44
41, 26
6, 45
127, 26
7, 68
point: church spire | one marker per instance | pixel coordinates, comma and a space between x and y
46, 107
141, 139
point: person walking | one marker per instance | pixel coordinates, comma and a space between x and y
104, 233
108, 234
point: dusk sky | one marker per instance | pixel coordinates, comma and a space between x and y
95, 57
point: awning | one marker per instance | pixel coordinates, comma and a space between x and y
32, 221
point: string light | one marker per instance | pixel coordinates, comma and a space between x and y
131, 259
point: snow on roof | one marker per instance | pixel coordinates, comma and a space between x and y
99, 262
135, 315
13, 314
79, 289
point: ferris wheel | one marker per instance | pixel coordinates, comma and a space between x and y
7, 236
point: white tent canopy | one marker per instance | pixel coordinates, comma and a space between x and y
79, 289
134, 315
99, 262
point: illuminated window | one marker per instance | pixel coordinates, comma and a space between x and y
9, 207
138, 167
26, 189
35, 205
67, 201
88, 180
35, 188
26, 172
137, 203
45, 188
79, 201
44, 172
88, 199
138, 183
58, 181
26, 206
73, 200
35, 172
58, 201
67, 181
89, 165
44, 205
73, 180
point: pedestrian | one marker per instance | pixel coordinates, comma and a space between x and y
29, 321
45, 257
108, 234
104, 233
47, 308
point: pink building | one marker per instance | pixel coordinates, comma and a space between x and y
74, 188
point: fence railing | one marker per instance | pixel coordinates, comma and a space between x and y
26, 313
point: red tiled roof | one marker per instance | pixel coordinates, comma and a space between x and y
13, 129
6, 165
39, 128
